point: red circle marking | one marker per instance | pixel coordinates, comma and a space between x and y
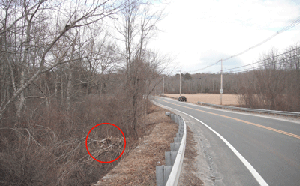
87, 148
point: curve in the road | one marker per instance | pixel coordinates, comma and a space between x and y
269, 144
247, 122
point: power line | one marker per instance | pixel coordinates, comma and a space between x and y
207, 66
261, 61
248, 69
245, 70
293, 24
268, 39
243, 66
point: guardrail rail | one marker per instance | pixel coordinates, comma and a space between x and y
169, 174
285, 113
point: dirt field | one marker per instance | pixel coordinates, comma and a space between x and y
227, 99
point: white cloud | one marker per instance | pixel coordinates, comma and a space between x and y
193, 28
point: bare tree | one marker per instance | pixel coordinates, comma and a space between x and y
61, 72
274, 86
136, 28
89, 14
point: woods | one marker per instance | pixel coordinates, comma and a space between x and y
65, 67
68, 65
273, 83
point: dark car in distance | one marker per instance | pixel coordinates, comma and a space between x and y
182, 98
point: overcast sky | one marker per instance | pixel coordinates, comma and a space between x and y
197, 33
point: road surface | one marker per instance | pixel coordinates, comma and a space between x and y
241, 148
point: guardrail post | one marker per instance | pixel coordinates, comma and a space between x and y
160, 175
179, 135
176, 119
167, 171
180, 129
173, 117
175, 146
177, 139
173, 156
170, 157
181, 121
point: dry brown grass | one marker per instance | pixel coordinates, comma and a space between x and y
139, 166
227, 99
47, 146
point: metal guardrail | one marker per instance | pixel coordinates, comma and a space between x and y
169, 174
285, 113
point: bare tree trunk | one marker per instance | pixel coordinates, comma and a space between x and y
70, 75
55, 86
21, 102
134, 105
69, 89
89, 86
28, 19
47, 96
72, 24
61, 91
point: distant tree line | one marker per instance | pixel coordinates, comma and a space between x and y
201, 83
274, 84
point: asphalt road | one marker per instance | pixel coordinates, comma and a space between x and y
242, 148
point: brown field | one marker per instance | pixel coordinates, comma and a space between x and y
227, 99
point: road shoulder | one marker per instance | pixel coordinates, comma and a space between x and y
189, 168
139, 166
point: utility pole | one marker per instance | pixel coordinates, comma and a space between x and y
221, 87
180, 83
163, 85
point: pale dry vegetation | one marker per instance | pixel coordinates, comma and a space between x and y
62, 72
275, 85
139, 167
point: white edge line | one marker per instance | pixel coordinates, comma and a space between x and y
255, 174
244, 113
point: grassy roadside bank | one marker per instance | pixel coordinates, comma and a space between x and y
138, 167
